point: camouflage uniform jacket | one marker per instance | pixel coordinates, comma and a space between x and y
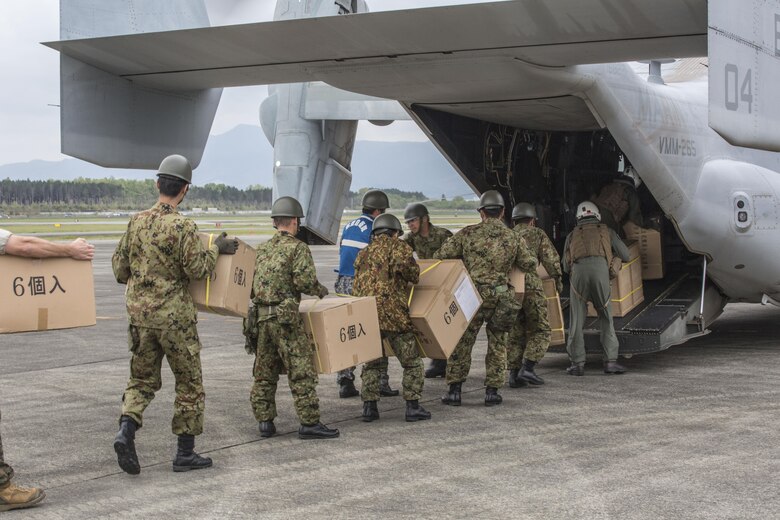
425, 247
157, 257
385, 269
489, 250
539, 244
284, 268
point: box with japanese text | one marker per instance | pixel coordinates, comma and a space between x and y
228, 288
441, 305
45, 294
344, 331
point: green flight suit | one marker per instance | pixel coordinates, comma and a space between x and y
589, 281
157, 257
489, 250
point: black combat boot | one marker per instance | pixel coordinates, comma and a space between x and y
415, 412
492, 397
452, 397
384, 387
370, 411
317, 431
437, 368
576, 369
514, 381
528, 375
612, 367
267, 429
186, 458
347, 389
124, 446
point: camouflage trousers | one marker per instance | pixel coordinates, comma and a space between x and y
405, 347
6, 471
284, 346
181, 347
530, 336
343, 285
459, 362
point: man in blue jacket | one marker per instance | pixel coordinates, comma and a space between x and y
354, 238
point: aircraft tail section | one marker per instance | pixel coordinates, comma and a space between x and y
113, 122
744, 70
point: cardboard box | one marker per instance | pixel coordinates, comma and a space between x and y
517, 280
627, 290
650, 250
344, 331
45, 294
442, 305
554, 310
227, 290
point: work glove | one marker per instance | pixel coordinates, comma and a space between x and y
559, 285
323, 291
226, 246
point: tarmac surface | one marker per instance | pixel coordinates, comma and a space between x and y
691, 432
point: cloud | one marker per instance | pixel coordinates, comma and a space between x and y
29, 126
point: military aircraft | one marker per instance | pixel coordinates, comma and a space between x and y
534, 98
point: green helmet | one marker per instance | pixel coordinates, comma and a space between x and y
385, 222
176, 166
375, 199
286, 207
491, 199
523, 210
415, 210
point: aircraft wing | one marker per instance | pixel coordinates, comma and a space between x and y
421, 55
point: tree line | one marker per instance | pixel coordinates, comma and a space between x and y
30, 197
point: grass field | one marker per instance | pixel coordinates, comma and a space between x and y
67, 227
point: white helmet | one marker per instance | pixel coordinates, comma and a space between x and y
587, 209
630, 172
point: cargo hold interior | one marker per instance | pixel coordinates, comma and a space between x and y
555, 170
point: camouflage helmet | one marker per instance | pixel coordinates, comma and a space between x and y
286, 207
176, 166
415, 210
523, 210
491, 199
375, 199
385, 222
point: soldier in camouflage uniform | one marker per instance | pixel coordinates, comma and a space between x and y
11, 495
157, 257
489, 251
284, 268
618, 202
385, 269
530, 336
425, 239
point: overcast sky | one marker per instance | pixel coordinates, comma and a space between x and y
29, 82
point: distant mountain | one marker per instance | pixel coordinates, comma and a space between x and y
243, 156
